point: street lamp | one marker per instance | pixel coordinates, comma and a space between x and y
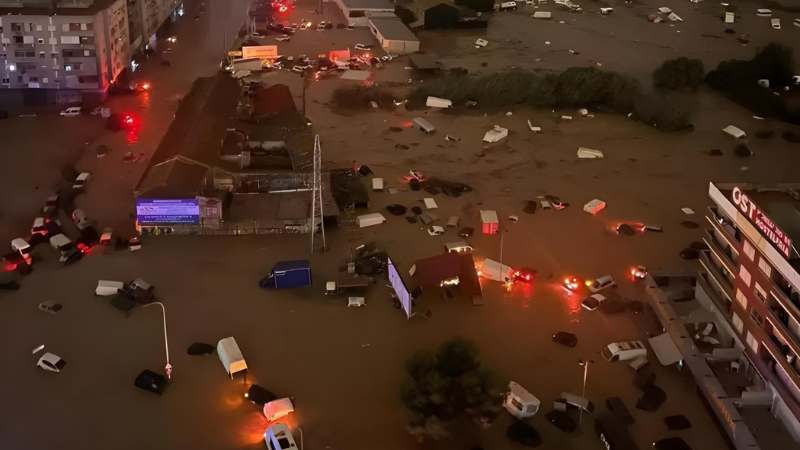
585, 365
168, 366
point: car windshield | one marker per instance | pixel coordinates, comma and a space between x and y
60, 364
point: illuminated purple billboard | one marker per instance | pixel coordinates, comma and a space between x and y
167, 211
399, 287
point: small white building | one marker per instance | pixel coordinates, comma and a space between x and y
393, 35
358, 12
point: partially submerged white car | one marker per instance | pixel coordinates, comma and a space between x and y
51, 362
279, 437
592, 302
436, 230
278, 409
81, 180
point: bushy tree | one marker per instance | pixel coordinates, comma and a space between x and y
680, 73
477, 5
445, 386
668, 114
738, 80
358, 97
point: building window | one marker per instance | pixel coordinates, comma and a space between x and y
40, 41
74, 26
737, 323
18, 39
42, 54
87, 40
19, 53
38, 28
357, 13
752, 342
765, 267
760, 292
17, 27
744, 274
88, 79
742, 299
749, 250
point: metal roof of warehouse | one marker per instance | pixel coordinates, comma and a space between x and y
393, 29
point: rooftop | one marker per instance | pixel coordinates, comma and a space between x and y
45, 7
393, 28
209, 109
430, 272
780, 203
369, 4
179, 177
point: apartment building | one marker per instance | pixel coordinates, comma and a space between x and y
146, 17
750, 275
76, 47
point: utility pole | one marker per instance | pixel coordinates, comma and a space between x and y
585, 365
316, 195
168, 366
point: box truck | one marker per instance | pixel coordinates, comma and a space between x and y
287, 274
494, 270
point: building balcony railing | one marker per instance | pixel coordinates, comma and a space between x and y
792, 308
717, 277
721, 249
723, 225
786, 392
782, 329
713, 292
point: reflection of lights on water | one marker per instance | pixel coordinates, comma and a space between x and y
252, 429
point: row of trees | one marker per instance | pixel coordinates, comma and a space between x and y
574, 87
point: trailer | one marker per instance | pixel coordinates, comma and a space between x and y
496, 271
368, 220
230, 356
287, 274
348, 285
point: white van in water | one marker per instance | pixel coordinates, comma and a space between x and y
624, 351
72, 111
230, 356
458, 247
108, 287
496, 271
519, 402
424, 125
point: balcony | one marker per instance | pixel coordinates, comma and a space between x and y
722, 250
724, 226
721, 280
713, 292
777, 322
766, 368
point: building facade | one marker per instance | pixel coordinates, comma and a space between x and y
750, 273
146, 17
67, 51
78, 48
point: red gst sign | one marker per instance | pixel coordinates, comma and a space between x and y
765, 225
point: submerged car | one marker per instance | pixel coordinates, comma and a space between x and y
259, 395
592, 302
279, 437
50, 362
150, 381
565, 338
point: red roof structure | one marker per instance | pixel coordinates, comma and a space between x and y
431, 272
